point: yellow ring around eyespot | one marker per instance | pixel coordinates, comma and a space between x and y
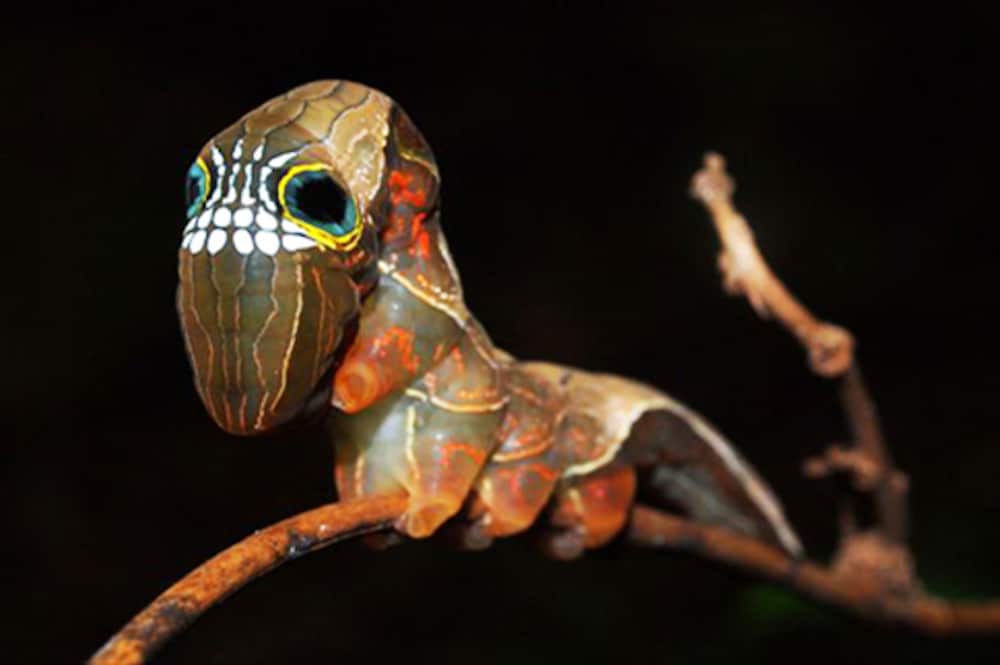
344, 243
208, 180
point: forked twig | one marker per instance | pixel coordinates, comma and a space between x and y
830, 349
233, 568
872, 572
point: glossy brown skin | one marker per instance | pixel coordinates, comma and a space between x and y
420, 400
239, 313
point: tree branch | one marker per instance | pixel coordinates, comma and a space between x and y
872, 572
233, 568
830, 349
840, 587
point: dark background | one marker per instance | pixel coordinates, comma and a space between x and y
566, 140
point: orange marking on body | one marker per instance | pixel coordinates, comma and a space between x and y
508, 426
532, 436
450, 448
355, 258
398, 183
420, 237
439, 351
527, 395
522, 448
514, 480
547, 474
598, 490
355, 386
404, 191
400, 340
374, 367
401, 190
396, 227
456, 355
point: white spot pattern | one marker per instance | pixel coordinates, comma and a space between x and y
230, 197
288, 227
267, 242
266, 220
197, 241
293, 243
217, 157
220, 173
222, 217
245, 197
243, 218
256, 222
216, 241
262, 193
278, 161
242, 241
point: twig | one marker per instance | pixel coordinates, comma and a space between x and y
860, 594
890, 486
233, 568
872, 573
830, 349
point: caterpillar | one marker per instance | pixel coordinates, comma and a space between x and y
316, 283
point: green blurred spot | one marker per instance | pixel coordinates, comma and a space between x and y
768, 609
947, 585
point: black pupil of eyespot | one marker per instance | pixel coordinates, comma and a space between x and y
319, 198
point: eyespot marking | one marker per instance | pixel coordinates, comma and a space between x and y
199, 181
315, 202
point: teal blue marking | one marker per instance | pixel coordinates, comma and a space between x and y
195, 189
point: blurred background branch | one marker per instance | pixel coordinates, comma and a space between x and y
872, 571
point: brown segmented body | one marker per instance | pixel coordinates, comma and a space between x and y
370, 321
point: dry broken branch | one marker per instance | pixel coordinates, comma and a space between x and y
744, 271
233, 568
872, 572
830, 348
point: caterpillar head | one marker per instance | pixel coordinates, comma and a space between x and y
284, 214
